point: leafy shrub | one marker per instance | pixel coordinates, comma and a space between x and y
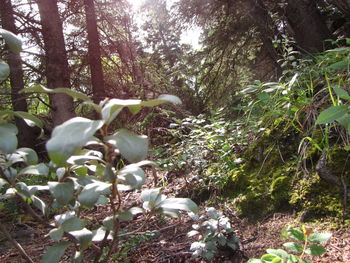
85, 170
308, 243
212, 230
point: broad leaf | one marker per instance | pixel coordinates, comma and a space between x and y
71, 93
99, 234
315, 250
40, 204
293, 246
113, 107
165, 98
91, 192
341, 93
29, 155
296, 234
72, 224
4, 70
29, 119
132, 177
319, 237
332, 114
11, 40
39, 169
63, 192
84, 236
132, 147
69, 136
180, 204
8, 138
56, 233
54, 253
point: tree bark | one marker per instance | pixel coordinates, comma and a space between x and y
57, 69
26, 135
94, 52
310, 31
262, 21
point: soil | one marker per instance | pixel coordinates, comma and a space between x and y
169, 242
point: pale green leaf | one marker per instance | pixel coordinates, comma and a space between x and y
132, 147
11, 40
8, 138
84, 236
165, 98
4, 70
70, 136
315, 250
72, 93
54, 253
293, 246
38, 169
179, 203
56, 233
319, 237
331, 114
63, 192
91, 193
29, 155
29, 119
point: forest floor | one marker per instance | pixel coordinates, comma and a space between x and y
169, 243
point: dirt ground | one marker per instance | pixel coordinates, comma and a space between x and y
169, 243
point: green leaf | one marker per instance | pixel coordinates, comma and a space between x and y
331, 114
132, 147
180, 204
132, 177
113, 107
268, 257
38, 203
255, 260
72, 93
296, 234
72, 224
165, 98
99, 234
293, 246
29, 155
4, 70
277, 252
38, 169
84, 236
69, 136
340, 65
341, 93
56, 233
63, 192
91, 192
8, 138
125, 216
54, 253
11, 40
29, 119
315, 250
319, 237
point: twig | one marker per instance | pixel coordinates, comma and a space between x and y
15, 244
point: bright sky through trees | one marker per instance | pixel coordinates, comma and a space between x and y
190, 36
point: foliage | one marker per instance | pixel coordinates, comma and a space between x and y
213, 231
307, 243
198, 144
85, 171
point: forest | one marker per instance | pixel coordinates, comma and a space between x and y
174, 131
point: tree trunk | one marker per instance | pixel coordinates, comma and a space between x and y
26, 135
310, 31
57, 70
94, 51
262, 21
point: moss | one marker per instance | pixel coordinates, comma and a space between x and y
281, 189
